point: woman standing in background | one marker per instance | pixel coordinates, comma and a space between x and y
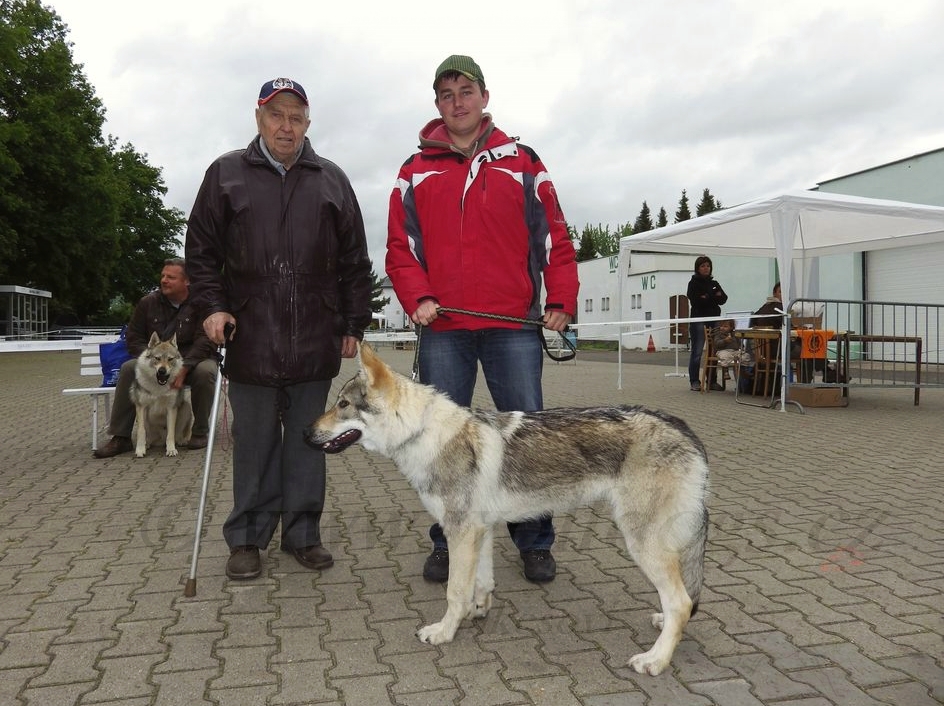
705, 298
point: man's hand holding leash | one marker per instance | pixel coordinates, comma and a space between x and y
428, 311
556, 320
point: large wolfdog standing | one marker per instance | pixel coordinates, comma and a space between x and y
161, 412
473, 469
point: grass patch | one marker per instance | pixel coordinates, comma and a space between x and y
583, 345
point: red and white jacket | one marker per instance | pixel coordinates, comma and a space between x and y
478, 233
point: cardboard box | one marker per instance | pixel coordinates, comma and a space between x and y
817, 396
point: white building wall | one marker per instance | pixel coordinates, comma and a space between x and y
394, 316
900, 274
917, 179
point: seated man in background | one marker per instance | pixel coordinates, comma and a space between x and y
769, 316
165, 311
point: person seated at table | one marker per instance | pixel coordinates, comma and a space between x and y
768, 315
728, 349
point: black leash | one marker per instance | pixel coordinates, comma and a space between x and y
570, 345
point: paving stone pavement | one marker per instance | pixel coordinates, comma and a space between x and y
824, 570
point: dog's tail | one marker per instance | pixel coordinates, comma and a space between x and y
693, 562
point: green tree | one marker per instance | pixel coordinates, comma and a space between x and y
707, 204
608, 242
662, 219
588, 245
147, 231
377, 300
75, 215
643, 220
683, 213
599, 241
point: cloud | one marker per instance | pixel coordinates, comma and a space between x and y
624, 102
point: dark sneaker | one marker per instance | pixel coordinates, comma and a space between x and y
715, 387
539, 565
311, 557
244, 563
436, 567
197, 442
696, 387
117, 445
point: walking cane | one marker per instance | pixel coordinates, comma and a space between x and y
190, 588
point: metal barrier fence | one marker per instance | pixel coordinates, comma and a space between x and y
875, 344
70, 339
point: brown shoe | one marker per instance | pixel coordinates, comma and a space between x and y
117, 445
312, 557
197, 442
244, 563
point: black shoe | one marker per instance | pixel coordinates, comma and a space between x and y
198, 442
696, 387
313, 557
117, 445
539, 565
436, 568
715, 387
244, 563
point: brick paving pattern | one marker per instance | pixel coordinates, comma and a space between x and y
824, 571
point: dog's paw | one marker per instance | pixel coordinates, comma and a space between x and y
138, 453
648, 663
657, 620
171, 452
481, 605
434, 634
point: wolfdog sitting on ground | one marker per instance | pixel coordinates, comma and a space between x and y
475, 468
161, 412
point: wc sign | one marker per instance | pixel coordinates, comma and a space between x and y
648, 282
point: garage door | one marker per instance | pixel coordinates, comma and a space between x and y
911, 275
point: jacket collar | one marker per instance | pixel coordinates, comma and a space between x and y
256, 153
434, 136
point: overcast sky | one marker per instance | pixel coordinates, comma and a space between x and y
624, 101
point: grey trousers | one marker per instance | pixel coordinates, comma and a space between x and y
202, 381
276, 475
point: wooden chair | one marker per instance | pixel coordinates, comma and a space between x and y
709, 364
766, 364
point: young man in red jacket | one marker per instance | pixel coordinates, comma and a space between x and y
475, 224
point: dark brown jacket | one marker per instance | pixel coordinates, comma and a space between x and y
155, 314
287, 257
768, 307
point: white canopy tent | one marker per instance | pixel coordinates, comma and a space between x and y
795, 228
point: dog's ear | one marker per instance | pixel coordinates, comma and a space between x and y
366, 359
373, 368
155, 339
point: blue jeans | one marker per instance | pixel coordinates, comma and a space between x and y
696, 338
512, 360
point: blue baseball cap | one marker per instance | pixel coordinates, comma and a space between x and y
272, 88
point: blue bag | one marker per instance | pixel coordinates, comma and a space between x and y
112, 356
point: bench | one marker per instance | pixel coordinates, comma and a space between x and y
91, 365
400, 340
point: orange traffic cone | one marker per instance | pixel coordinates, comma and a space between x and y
651, 348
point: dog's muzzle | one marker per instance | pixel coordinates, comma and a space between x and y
162, 376
335, 445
